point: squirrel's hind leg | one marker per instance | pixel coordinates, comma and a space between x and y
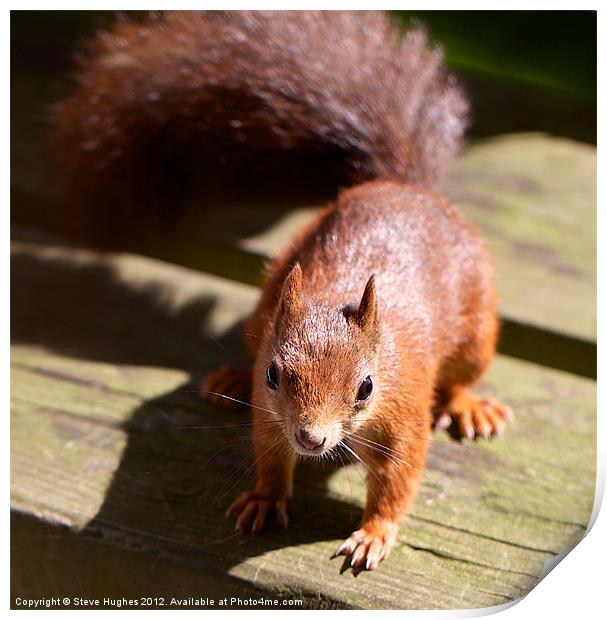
468, 415
457, 408
227, 386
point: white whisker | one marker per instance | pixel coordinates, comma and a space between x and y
242, 402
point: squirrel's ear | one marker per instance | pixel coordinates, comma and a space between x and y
290, 297
367, 309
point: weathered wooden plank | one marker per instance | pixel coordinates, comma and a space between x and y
72, 565
533, 197
156, 487
106, 351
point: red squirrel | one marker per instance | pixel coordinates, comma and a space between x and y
381, 315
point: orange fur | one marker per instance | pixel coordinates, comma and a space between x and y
392, 283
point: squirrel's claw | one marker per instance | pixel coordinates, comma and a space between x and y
368, 546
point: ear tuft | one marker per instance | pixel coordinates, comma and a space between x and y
290, 297
367, 309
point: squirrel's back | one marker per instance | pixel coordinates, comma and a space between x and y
432, 270
159, 102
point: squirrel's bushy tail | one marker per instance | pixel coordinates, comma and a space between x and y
160, 100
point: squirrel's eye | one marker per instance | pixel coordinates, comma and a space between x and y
365, 389
272, 376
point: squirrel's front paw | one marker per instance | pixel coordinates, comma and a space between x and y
369, 545
252, 508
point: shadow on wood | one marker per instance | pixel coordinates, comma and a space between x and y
184, 462
107, 352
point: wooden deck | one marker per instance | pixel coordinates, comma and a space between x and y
114, 493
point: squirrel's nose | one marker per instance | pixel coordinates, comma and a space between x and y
309, 441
